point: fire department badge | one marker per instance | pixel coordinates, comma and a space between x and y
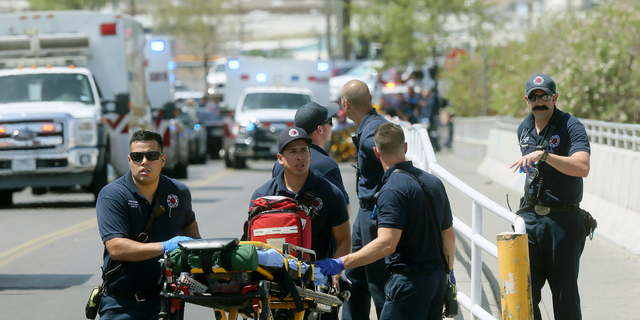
172, 201
317, 204
554, 141
294, 133
538, 81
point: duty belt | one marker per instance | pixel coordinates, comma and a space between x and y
139, 296
367, 204
543, 208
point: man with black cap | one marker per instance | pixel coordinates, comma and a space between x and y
295, 180
315, 119
555, 151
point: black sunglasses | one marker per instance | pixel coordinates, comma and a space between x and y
544, 97
329, 122
151, 156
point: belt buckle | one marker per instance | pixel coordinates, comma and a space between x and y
542, 210
139, 299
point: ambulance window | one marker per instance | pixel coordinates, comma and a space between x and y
274, 100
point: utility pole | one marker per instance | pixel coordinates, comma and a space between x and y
133, 8
346, 30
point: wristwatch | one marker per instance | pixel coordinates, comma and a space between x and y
544, 156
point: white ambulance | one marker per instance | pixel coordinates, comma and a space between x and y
71, 93
160, 65
265, 95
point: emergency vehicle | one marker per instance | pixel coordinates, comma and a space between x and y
71, 93
265, 94
160, 65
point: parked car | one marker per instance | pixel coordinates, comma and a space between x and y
215, 128
366, 72
196, 134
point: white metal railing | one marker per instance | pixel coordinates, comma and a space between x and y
421, 153
618, 135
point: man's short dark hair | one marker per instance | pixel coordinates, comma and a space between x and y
389, 138
146, 135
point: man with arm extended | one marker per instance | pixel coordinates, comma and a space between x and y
141, 215
407, 237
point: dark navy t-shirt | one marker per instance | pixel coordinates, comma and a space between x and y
569, 138
322, 166
330, 205
370, 168
402, 205
123, 213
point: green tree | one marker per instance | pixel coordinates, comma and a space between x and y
412, 30
45, 5
199, 23
593, 58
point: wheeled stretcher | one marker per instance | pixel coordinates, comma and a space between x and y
240, 286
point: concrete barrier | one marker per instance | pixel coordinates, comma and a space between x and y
611, 191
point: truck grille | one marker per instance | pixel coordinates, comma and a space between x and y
29, 135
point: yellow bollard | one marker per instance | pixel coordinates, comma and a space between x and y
515, 276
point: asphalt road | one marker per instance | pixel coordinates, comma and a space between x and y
50, 250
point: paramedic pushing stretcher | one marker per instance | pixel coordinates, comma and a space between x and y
296, 179
553, 191
141, 215
407, 238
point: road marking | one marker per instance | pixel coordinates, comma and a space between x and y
203, 182
37, 243
34, 244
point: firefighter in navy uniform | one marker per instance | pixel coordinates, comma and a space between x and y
368, 281
316, 121
295, 180
141, 215
553, 191
407, 238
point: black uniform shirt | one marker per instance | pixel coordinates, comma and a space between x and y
370, 168
569, 138
123, 213
402, 205
329, 203
322, 166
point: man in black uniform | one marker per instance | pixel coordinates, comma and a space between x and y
407, 238
141, 215
368, 281
315, 119
552, 195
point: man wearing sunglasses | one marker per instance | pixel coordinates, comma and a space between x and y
555, 150
141, 215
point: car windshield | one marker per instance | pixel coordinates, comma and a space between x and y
274, 100
359, 71
220, 67
46, 87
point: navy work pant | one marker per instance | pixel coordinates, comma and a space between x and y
367, 281
118, 308
416, 296
556, 242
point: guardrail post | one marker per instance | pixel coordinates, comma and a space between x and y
476, 257
515, 276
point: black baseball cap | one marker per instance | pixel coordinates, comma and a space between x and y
543, 82
313, 114
291, 134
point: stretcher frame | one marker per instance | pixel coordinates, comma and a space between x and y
267, 293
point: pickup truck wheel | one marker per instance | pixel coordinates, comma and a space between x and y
6, 198
100, 179
227, 161
239, 163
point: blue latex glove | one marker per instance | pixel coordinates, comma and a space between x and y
452, 277
329, 266
172, 243
528, 169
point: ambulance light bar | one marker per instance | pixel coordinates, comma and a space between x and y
108, 29
323, 66
157, 46
261, 77
234, 64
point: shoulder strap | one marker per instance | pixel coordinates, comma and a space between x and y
553, 125
432, 212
